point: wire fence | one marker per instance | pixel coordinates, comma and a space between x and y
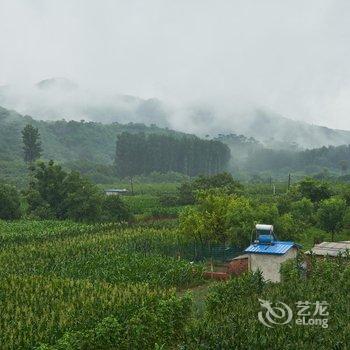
214, 252
193, 251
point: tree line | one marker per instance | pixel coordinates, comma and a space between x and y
138, 154
313, 160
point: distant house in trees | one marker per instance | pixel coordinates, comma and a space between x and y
116, 191
330, 249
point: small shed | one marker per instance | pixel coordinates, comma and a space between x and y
116, 191
238, 265
330, 249
267, 253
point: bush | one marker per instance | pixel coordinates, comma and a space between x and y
224, 181
168, 200
115, 210
55, 193
10, 206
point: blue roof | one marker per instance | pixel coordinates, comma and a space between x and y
277, 248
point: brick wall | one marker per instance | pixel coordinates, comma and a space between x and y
238, 266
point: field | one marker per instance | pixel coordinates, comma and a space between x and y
120, 288
83, 274
139, 285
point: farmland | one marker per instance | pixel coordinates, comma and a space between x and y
140, 284
98, 274
117, 289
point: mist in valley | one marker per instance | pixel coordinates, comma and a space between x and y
268, 70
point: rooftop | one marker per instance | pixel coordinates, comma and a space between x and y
330, 248
275, 248
116, 190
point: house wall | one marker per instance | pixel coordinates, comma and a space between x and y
270, 264
238, 266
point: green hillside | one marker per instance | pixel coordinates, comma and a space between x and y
66, 142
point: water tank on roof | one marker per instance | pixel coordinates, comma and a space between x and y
262, 229
264, 234
266, 239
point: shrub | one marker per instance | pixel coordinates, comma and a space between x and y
115, 210
10, 206
56, 194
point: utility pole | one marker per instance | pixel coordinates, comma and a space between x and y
289, 181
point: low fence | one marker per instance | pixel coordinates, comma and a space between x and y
197, 252
184, 249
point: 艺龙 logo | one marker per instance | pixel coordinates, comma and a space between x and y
308, 314
277, 314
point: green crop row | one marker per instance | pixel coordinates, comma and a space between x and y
36, 310
127, 256
27, 231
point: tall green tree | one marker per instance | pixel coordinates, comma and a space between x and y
31, 143
313, 189
218, 218
54, 193
331, 214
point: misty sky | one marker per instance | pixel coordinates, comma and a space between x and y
292, 57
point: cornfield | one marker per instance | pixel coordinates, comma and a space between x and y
107, 257
90, 286
36, 309
25, 231
80, 287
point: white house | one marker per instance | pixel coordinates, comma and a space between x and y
116, 191
267, 254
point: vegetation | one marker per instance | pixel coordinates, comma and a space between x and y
219, 218
10, 206
91, 313
54, 193
31, 143
30, 231
331, 214
231, 322
82, 270
280, 162
223, 181
105, 257
138, 154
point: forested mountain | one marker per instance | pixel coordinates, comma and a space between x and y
67, 141
57, 98
90, 147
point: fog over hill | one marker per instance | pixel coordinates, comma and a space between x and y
60, 98
270, 69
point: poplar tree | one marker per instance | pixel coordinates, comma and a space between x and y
31, 144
